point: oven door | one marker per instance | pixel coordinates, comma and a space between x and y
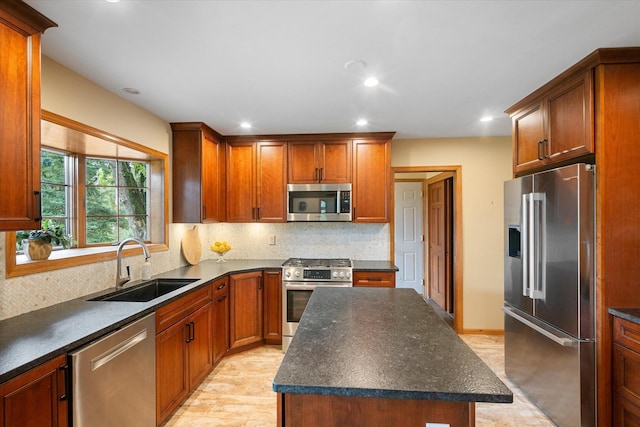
295, 297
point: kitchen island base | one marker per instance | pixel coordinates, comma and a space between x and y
311, 410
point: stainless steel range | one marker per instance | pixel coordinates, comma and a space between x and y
300, 276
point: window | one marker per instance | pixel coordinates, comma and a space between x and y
101, 189
116, 200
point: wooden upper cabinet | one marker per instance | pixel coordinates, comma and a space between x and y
327, 162
553, 128
198, 174
371, 180
20, 30
256, 181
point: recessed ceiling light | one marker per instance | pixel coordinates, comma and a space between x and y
113, 1
245, 125
131, 91
362, 122
486, 119
355, 65
371, 82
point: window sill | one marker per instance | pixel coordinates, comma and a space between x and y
19, 265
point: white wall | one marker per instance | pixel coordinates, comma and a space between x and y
486, 164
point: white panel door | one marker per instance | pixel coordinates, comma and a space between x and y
409, 244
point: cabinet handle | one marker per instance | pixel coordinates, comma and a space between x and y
259, 283
321, 174
545, 148
315, 175
540, 156
222, 298
188, 325
67, 382
258, 213
221, 286
204, 211
193, 331
38, 215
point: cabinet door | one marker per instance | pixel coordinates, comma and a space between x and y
241, 204
220, 326
36, 398
20, 118
271, 182
570, 124
172, 381
336, 162
372, 180
198, 174
303, 162
272, 306
200, 349
246, 309
212, 180
528, 136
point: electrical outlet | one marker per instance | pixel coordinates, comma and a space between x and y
272, 240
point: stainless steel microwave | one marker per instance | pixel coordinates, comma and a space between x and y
319, 202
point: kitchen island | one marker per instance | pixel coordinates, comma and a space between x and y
380, 357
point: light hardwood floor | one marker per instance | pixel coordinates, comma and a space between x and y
238, 392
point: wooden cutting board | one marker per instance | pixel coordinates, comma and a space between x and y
191, 246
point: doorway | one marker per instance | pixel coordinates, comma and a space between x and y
441, 275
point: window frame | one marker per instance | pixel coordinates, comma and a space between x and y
101, 144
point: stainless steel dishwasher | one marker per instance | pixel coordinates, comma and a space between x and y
114, 378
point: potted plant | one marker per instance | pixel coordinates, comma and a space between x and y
38, 244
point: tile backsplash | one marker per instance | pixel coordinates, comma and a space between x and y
248, 241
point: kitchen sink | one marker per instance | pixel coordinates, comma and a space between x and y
145, 291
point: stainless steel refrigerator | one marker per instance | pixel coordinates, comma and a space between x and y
549, 291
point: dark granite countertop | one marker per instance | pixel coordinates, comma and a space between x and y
630, 314
374, 266
381, 342
32, 338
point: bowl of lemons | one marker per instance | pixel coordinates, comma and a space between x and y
221, 248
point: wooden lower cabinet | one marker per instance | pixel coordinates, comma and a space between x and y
37, 398
272, 307
245, 325
380, 279
626, 373
310, 410
184, 352
220, 319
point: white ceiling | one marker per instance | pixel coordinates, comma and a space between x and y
442, 65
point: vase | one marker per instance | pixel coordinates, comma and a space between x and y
36, 250
221, 256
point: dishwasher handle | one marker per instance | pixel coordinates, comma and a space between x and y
117, 350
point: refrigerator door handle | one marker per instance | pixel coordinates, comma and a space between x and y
525, 245
538, 230
565, 342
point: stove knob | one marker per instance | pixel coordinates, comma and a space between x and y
348, 275
335, 274
287, 274
297, 273
342, 274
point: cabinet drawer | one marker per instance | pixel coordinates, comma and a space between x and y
171, 313
626, 333
625, 413
220, 287
374, 278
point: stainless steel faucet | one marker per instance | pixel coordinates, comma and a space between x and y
121, 280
